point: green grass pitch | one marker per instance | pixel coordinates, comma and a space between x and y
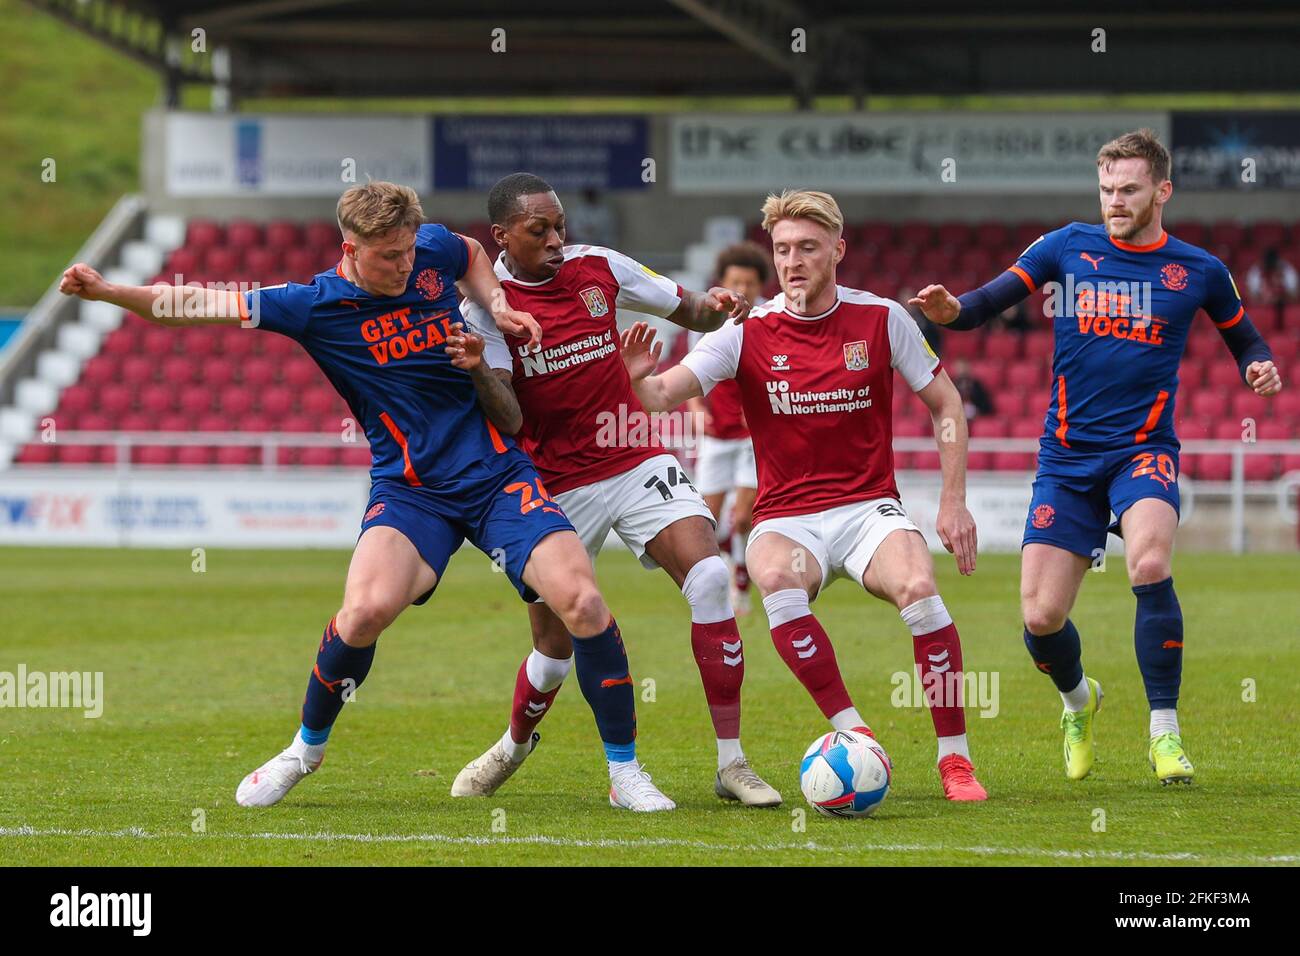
204, 673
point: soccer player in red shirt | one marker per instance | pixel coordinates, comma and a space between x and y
726, 452
816, 372
596, 450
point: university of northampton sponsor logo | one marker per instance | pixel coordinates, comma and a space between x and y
594, 299
855, 356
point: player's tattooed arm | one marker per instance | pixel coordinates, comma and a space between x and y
481, 286
160, 303
658, 393
955, 525
706, 311
496, 396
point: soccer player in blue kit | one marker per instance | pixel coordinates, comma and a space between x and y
382, 327
1124, 297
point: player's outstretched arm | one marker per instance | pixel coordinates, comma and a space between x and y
495, 394
955, 524
483, 289
658, 393
972, 309
161, 303
706, 311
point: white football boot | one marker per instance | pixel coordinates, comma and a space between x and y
267, 785
737, 781
483, 775
630, 789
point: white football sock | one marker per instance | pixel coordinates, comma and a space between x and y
309, 753
954, 745
729, 752
705, 590
1164, 721
516, 752
546, 673
847, 719
1077, 699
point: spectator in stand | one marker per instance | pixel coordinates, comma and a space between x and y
933, 333
1273, 281
974, 396
591, 220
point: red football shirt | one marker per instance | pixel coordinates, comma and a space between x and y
726, 417
817, 392
582, 420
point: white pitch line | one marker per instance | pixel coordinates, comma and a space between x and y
650, 842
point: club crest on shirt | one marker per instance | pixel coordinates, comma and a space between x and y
855, 356
594, 299
1173, 276
429, 282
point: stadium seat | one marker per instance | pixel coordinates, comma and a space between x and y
101, 370
83, 454
242, 234
1227, 233
319, 457
203, 234
321, 233
1207, 405
156, 399
992, 235
122, 341
1002, 346
300, 371
1249, 405
980, 461
153, 455
355, 456
179, 370
224, 262
139, 370
239, 343
1271, 234
95, 422
38, 453
1039, 346
1027, 377
195, 401
967, 345
77, 398
185, 262
319, 400
191, 455
257, 372
235, 401
115, 399
301, 264
264, 265
275, 402
217, 372
1193, 232
213, 422
1287, 405
237, 455
1221, 376
877, 234
283, 235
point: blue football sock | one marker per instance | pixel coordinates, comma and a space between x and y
1158, 641
603, 674
336, 663
1058, 656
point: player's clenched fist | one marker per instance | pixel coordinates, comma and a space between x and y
956, 527
640, 350
939, 305
1263, 378
519, 324
81, 280
735, 305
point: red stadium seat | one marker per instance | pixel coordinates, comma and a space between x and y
300, 371
1249, 405
224, 262
157, 399
264, 265
282, 235
1003, 346
1193, 232
1206, 406
214, 422
115, 400
1040, 346
243, 234
235, 401
38, 453
280, 348
175, 422
895, 259
192, 455
158, 340
185, 262
1286, 348
203, 234
101, 370
238, 455
1011, 404
153, 455
140, 370
301, 264
319, 400
84, 454
322, 233
121, 341
877, 234
1222, 375
1013, 461
1028, 377
217, 372
1030, 426
258, 373
355, 456
1272, 234
195, 401
980, 461
239, 343
955, 345
1022, 234
95, 422
910, 427
320, 457
992, 235
1287, 406
298, 424
179, 370
77, 398
275, 402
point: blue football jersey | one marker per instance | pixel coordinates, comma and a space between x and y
387, 357
1121, 316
